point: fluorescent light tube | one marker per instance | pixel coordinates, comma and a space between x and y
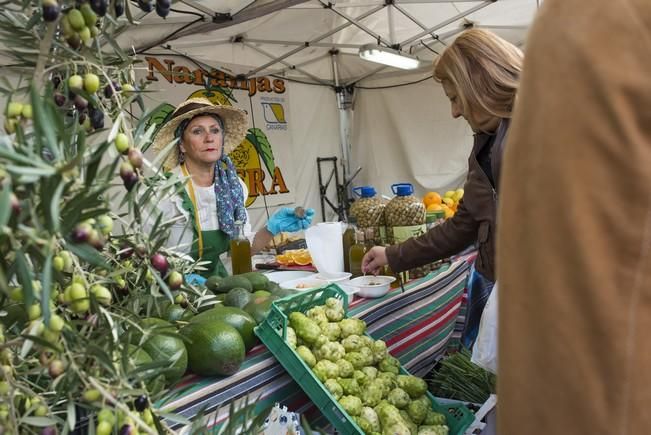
388, 56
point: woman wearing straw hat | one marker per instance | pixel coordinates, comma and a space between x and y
213, 198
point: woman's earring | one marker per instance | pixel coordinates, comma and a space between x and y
181, 157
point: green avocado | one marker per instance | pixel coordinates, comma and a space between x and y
231, 282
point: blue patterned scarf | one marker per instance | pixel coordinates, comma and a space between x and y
228, 190
230, 196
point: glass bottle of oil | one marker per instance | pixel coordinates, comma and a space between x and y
240, 251
356, 254
348, 241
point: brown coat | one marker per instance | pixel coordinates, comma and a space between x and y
473, 222
574, 246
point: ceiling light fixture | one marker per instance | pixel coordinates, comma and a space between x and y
388, 56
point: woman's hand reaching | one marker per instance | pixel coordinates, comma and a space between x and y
374, 260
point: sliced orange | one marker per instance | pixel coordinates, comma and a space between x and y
302, 259
284, 259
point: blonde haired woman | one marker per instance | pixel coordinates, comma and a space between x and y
479, 73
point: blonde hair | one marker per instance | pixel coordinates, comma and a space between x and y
484, 69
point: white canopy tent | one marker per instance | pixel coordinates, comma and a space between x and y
401, 130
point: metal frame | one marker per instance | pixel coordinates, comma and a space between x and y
253, 72
289, 65
448, 21
198, 6
355, 22
342, 199
425, 32
302, 64
302, 43
336, 8
435, 1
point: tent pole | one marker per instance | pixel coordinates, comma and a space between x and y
344, 104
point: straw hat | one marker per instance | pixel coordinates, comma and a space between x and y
235, 126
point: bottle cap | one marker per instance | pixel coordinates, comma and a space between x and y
365, 191
402, 189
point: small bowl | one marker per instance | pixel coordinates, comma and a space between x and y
333, 276
304, 284
372, 286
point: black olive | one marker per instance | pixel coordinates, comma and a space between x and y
146, 5
162, 12
96, 118
59, 99
141, 403
119, 8
99, 7
51, 10
80, 102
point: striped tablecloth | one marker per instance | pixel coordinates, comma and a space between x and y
417, 326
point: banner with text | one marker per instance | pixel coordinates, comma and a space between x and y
264, 159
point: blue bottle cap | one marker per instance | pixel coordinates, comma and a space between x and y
365, 191
402, 189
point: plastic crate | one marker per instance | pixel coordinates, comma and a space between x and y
273, 332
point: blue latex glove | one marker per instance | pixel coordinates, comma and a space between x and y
194, 279
284, 220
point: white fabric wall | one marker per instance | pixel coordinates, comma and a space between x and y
406, 134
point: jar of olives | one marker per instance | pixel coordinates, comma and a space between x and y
405, 218
368, 211
404, 214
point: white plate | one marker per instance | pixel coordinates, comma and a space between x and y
287, 275
333, 277
303, 284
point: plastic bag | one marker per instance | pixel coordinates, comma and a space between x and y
484, 352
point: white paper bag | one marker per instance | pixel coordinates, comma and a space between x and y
325, 243
484, 352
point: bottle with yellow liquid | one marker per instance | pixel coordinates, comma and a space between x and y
240, 251
348, 241
356, 254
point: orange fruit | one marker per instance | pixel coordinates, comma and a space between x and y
302, 259
448, 212
284, 259
431, 198
434, 207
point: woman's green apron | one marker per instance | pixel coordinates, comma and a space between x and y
215, 242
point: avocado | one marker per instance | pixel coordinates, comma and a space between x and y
282, 292
258, 280
237, 318
213, 282
237, 297
231, 282
259, 308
